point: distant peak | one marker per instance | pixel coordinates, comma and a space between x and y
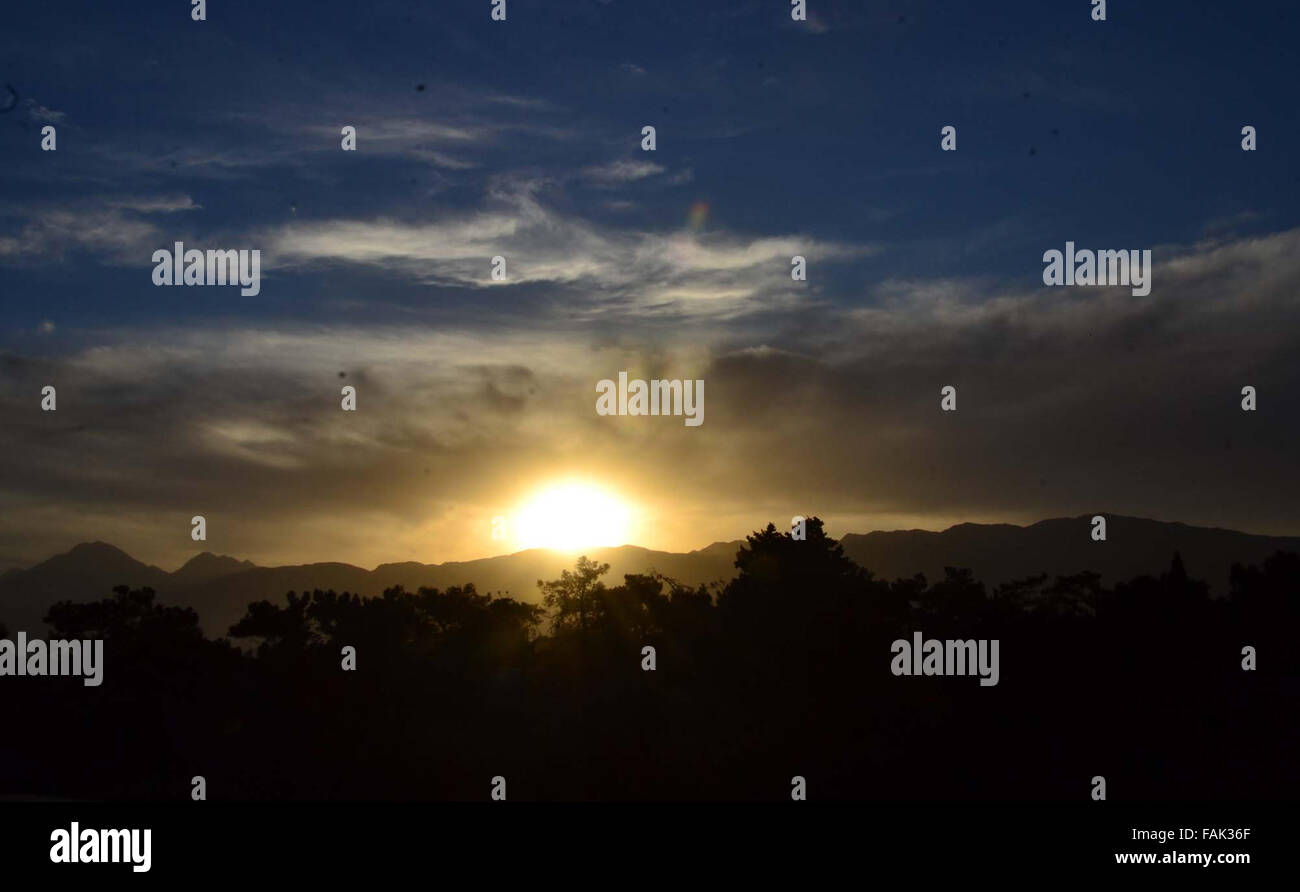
91, 555
95, 547
206, 561
207, 557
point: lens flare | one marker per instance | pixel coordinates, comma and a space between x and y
698, 216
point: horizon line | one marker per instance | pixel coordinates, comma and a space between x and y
575, 553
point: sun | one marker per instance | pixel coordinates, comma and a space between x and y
572, 515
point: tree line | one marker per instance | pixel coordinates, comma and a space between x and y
782, 671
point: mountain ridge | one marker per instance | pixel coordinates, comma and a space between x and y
220, 587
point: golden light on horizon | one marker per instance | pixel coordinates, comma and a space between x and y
572, 515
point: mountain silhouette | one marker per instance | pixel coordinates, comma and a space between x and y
220, 588
206, 567
997, 553
82, 574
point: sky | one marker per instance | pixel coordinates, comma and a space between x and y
522, 138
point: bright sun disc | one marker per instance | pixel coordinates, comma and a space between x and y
570, 516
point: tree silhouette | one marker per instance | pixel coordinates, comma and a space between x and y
575, 599
785, 665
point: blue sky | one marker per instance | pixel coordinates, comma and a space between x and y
521, 138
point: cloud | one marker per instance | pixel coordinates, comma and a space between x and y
441, 127
622, 171
113, 227
1069, 401
627, 271
391, 134
40, 113
436, 410
153, 204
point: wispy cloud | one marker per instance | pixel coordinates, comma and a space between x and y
115, 228
630, 270
622, 171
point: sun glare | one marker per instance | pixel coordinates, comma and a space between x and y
570, 516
